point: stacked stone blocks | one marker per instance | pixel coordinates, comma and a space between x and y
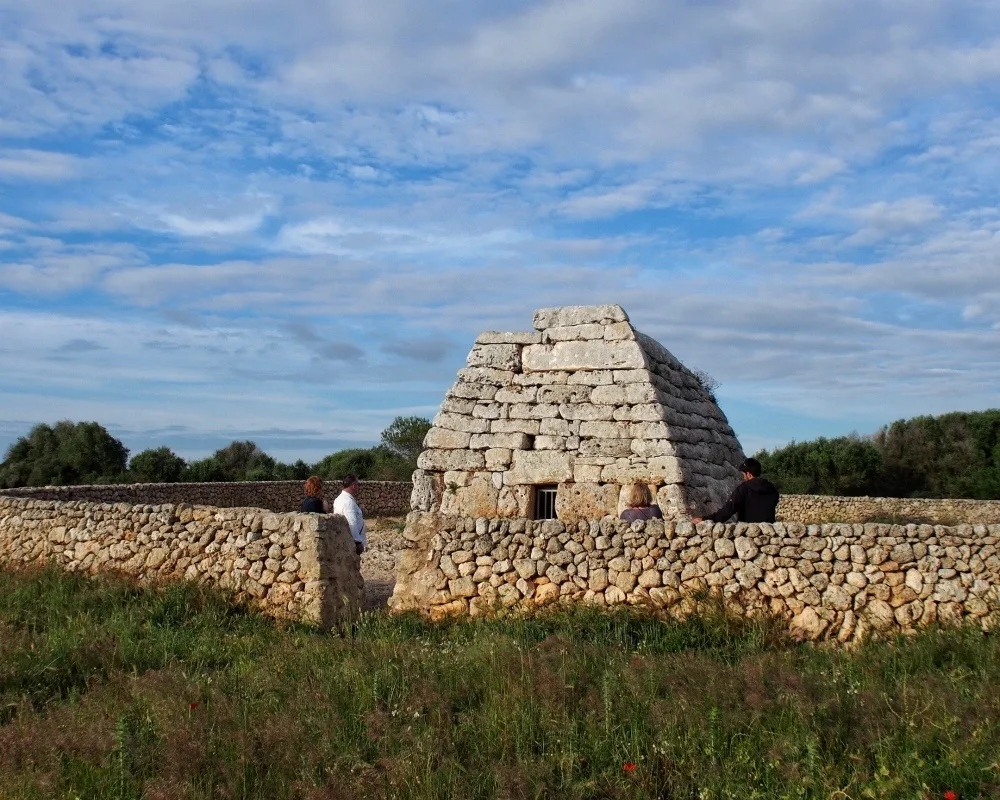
833, 581
297, 566
377, 498
584, 402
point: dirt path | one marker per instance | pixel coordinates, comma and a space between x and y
378, 564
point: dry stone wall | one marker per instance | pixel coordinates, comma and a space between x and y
376, 498
584, 402
811, 508
832, 581
298, 566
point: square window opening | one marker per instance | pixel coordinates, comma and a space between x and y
545, 502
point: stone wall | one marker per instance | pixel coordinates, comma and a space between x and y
811, 508
377, 498
832, 581
298, 566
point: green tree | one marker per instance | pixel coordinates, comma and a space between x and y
68, 453
357, 461
205, 470
161, 465
847, 465
405, 437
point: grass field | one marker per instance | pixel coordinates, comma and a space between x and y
108, 690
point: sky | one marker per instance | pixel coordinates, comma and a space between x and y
287, 221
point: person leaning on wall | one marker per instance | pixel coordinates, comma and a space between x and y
754, 500
639, 504
313, 502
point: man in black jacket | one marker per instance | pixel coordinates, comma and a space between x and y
754, 500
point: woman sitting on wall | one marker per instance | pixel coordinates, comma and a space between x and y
640, 504
313, 502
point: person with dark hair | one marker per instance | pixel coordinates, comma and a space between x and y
313, 502
754, 500
640, 504
347, 505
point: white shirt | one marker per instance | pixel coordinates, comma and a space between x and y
347, 506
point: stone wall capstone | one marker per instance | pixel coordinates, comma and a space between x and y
376, 498
297, 566
831, 581
811, 508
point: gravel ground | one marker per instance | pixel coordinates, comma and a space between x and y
378, 564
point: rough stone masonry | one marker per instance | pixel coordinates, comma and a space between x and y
833, 581
297, 566
585, 404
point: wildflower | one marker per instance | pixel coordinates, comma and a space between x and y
192, 706
629, 767
950, 795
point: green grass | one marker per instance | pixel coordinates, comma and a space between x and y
108, 690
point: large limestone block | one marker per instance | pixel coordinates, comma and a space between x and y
585, 501
444, 460
628, 394
460, 422
592, 355
528, 426
478, 499
495, 356
586, 411
534, 467
569, 333
578, 315
446, 439
604, 430
499, 337
510, 441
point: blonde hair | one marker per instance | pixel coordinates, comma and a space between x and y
639, 496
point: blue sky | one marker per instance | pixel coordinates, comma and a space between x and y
288, 221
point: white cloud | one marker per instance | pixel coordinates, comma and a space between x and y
37, 165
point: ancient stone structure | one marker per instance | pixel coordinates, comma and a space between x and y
834, 581
377, 498
299, 566
584, 405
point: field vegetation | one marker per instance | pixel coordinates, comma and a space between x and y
111, 690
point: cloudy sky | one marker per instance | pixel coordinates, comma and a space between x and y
287, 221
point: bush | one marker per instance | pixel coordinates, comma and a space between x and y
161, 465
68, 453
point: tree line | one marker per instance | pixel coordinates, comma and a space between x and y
953, 455
80, 453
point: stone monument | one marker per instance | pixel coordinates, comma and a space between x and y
559, 421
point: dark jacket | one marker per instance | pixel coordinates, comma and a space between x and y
754, 500
311, 505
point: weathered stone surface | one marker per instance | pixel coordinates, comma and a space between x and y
510, 441
534, 468
573, 356
446, 439
578, 315
498, 337
495, 356
577, 501
442, 460
301, 566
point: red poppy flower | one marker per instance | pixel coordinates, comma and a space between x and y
950, 795
629, 767
192, 706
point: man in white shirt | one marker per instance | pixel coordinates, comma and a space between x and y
347, 506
